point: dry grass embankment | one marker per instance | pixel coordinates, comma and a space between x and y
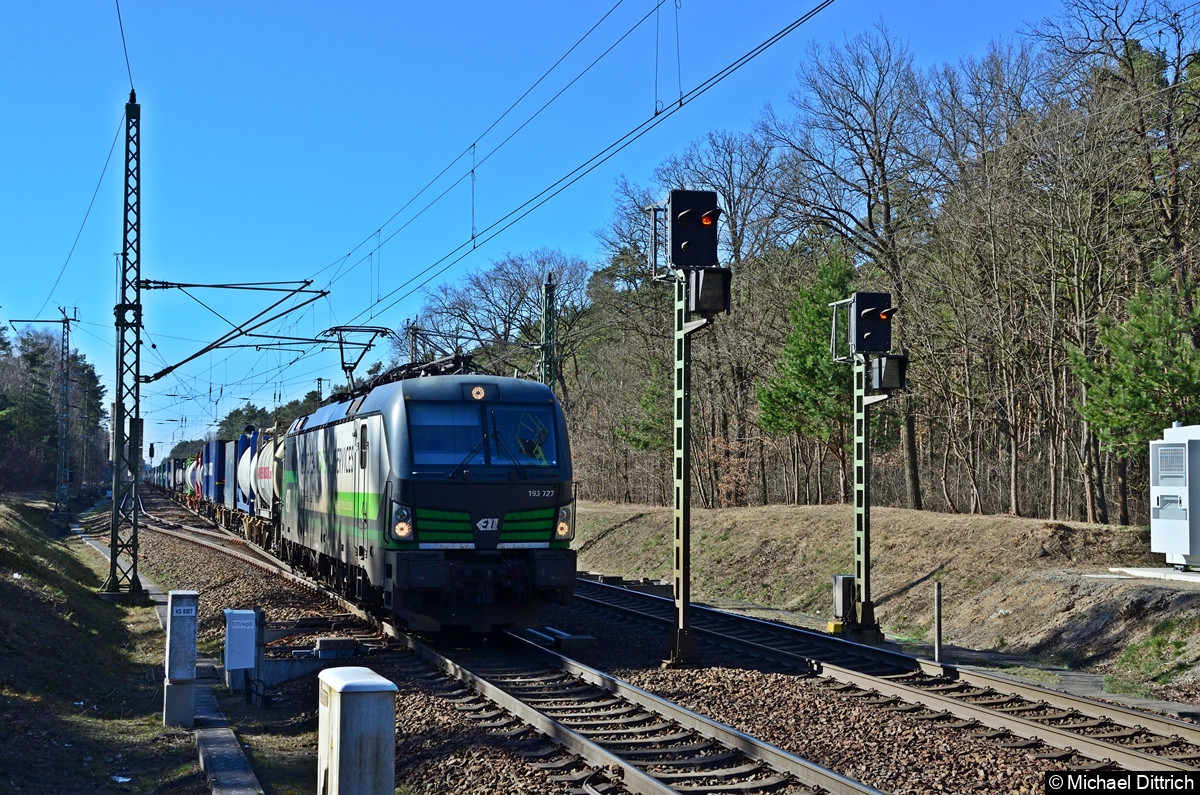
1021, 586
80, 678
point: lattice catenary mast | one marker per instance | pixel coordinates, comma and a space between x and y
127, 447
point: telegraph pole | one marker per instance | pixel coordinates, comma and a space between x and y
127, 444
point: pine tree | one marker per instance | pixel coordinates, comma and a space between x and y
1149, 375
810, 394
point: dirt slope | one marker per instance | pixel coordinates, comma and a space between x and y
1022, 586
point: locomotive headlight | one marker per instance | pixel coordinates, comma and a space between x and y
402, 518
564, 528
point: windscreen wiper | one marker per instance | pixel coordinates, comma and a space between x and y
503, 448
477, 448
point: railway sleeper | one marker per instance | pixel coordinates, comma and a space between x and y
574, 777
1017, 709
576, 706
545, 752
574, 714
1161, 742
940, 715
562, 762
1119, 734
948, 687
757, 785
581, 722
724, 773
665, 756
1056, 754
542, 694
632, 743
525, 738
631, 730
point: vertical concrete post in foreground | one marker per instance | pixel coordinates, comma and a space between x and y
179, 687
356, 732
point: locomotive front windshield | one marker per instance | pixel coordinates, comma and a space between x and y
455, 436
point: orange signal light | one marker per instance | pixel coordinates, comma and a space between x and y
706, 220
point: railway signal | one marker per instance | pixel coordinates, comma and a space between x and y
871, 322
693, 228
701, 288
868, 334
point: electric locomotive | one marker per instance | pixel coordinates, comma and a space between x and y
446, 500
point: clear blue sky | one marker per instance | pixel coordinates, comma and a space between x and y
277, 137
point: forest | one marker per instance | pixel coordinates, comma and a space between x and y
31, 391
1030, 213
1029, 210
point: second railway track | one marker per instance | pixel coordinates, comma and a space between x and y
994, 707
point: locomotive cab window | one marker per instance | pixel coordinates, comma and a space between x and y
523, 435
482, 435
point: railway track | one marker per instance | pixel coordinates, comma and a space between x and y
169, 519
628, 739
656, 746
1078, 732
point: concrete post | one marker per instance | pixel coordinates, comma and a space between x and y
179, 687
356, 732
937, 622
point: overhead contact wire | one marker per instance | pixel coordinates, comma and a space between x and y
539, 199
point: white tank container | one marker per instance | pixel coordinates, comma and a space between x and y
264, 476
193, 476
245, 474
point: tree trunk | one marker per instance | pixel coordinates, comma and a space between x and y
908, 441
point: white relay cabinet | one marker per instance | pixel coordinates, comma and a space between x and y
1175, 496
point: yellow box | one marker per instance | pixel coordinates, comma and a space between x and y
835, 627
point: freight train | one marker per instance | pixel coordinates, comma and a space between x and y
446, 500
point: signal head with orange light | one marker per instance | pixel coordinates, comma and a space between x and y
693, 228
871, 322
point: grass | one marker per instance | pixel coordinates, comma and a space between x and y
1119, 686
1159, 658
80, 678
282, 741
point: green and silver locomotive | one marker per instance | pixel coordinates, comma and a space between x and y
447, 500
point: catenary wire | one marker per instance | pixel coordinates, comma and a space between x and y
86, 214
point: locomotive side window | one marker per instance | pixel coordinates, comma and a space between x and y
445, 434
